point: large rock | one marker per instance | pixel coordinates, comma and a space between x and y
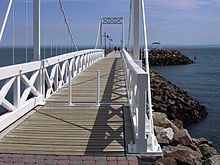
165, 135
183, 137
201, 141
214, 160
183, 155
207, 151
166, 161
160, 119
167, 57
178, 123
157, 129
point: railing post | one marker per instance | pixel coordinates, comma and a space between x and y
136, 30
98, 88
43, 80
141, 143
36, 31
70, 88
17, 91
100, 35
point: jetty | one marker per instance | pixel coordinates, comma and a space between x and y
80, 103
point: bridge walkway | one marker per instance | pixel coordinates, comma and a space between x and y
58, 129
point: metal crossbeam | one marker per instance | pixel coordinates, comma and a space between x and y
109, 20
112, 20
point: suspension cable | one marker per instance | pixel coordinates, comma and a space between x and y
97, 40
61, 37
13, 32
45, 28
69, 31
129, 29
56, 24
26, 31
51, 32
5, 19
147, 68
65, 40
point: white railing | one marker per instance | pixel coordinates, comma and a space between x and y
137, 87
34, 82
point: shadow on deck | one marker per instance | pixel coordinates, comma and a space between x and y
65, 130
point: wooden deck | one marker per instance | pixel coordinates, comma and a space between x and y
112, 83
64, 130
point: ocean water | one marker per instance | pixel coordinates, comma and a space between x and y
6, 57
202, 82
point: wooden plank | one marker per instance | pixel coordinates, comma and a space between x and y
66, 130
66, 152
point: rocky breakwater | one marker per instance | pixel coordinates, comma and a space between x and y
174, 102
174, 110
179, 148
167, 57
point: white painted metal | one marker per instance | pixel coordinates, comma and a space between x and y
112, 20
151, 124
98, 88
26, 31
5, 19
137, 85
123, 34
37, 53
136, 82
129, 27
16, 92
54, 74
36, 30
13, 32
136, 23
98, 35
70, 88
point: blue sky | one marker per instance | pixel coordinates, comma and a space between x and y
173, 22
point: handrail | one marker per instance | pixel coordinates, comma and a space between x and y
137, 83
46, 77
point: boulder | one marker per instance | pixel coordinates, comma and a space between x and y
178, 123
158, 116
157, 130
207, 151
183, 155
165, 136
183, 137
166, 161
201, 141
214, 160
160, 120
171, 125
167, 57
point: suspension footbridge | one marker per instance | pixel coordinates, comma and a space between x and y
79, 102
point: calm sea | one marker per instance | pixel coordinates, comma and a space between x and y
202, 81
20, 56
